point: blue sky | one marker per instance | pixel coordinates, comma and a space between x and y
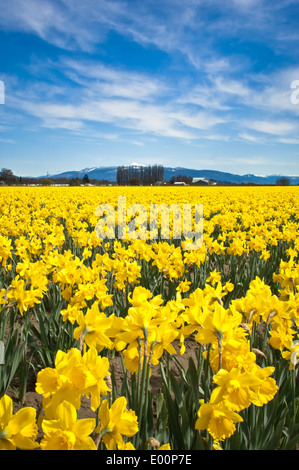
203, 84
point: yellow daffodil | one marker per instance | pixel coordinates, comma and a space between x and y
17, 430
292, 354
74, 376
214, 277
25, 298
140, 298
115, 422
66, 432
93, 326
217, 419
238, 389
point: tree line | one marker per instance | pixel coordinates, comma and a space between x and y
126, 176
8, 178
139, 175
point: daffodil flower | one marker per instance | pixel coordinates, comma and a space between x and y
217, 419
17, 430
66, 432
116, 422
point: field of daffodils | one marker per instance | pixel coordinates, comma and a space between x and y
73, 303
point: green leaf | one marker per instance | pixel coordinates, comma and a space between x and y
192, 373
176, 391
272, 444
173, 415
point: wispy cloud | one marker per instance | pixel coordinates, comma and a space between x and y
102, 80
48, 19
97, 93
273, 127
288, 141
249, 137
170, 25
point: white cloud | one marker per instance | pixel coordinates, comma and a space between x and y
100, 94
101, 80
288, 141
248, 137
67, 124
271, 127
252, 138
138, 143
206, 97
220, 137
272, 92
53, 21
128, 114
231, 87
199, 120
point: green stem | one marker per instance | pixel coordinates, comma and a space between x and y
140, 404
252, 338
131, 396
207, 376
293, 372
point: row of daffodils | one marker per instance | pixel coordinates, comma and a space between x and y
217, 325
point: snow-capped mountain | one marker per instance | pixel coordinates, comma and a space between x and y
109, 174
